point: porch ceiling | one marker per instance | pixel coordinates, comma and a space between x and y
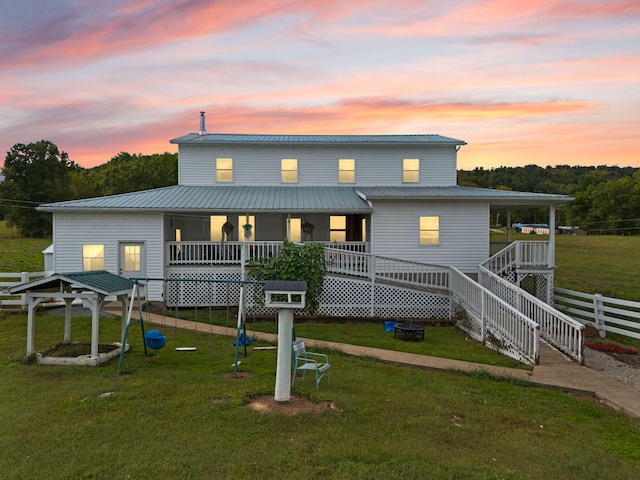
225, 198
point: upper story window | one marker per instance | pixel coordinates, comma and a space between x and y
346, 170
411, 170
429, 230
224, 169
92, 257
289, 170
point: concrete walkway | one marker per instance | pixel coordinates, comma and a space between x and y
555, 370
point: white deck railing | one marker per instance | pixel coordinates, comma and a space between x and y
225, 253
384, 268
559, 329
488, 319
521, 254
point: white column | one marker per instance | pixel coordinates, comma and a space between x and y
283, 368
95, 325
67, 319
552, 237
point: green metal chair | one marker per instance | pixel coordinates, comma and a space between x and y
309, 361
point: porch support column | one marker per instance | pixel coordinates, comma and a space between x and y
508, 226
551, 260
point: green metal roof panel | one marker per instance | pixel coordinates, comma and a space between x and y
461, 193
225, 198
248, 139
100, 281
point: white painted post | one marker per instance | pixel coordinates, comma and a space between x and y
597, 313
285, 296
95, 325
31, 322
283, 368
67, 319
551, 260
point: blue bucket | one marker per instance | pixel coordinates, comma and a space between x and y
390, 326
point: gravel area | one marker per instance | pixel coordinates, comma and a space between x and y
609, 366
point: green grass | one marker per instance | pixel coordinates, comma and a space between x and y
445, 342
179, 415
20, 254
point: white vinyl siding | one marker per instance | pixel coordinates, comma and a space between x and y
463, 232
261, 164
72, 231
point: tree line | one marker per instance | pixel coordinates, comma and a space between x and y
607, 198
40, 172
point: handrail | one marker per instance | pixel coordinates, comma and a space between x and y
488, 319
562, 331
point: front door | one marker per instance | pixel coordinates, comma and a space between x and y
132, 260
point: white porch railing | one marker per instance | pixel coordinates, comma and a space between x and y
521, 254
488, 319
560, 330
225, 253
384, 268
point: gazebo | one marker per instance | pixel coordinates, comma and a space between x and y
92, 287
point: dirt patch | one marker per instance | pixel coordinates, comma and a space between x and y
76, 349
298, 404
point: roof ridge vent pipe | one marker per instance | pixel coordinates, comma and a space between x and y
202, 131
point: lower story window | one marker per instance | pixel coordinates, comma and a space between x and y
92, 257
429, 230
338, 228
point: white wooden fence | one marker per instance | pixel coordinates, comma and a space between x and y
604, 313
10, 279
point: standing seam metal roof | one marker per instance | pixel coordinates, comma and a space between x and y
236, 138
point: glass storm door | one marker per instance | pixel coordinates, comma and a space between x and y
132, 262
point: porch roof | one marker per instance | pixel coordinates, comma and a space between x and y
497, 198
224, 198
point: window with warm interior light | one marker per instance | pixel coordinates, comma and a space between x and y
411, 170
346, 170
338, 228
429, 230
92, 257
132, 258
289, 170
224, 169
215, 227
295, 229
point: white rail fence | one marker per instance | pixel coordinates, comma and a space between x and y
10, 279
606, 314
488, 319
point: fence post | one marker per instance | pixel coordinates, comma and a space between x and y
372, 272
483, 317
597, 313
24, 278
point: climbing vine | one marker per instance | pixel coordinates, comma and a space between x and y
294, 262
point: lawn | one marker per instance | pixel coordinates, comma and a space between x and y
181, 415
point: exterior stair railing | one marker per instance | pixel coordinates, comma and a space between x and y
560, 330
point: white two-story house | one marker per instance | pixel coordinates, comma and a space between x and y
391, 196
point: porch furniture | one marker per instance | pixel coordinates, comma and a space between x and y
309, 361
411, 330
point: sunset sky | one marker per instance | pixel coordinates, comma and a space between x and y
530, 81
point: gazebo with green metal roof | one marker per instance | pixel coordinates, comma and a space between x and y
92, 287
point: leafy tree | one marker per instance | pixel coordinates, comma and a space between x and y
126, 173
297, 263
34, 174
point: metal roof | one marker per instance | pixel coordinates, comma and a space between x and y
224, 198
100, 281
251, 139
505, 198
